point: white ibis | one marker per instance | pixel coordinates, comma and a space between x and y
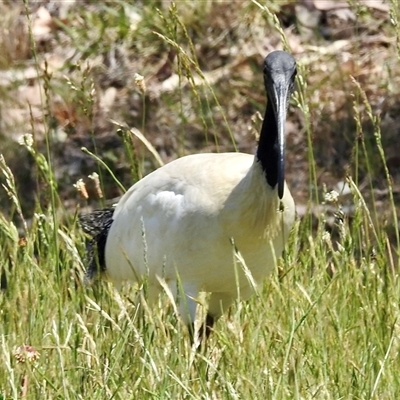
182, 224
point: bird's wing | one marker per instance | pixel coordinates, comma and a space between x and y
172, 216
193, 183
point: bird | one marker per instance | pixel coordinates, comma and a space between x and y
183, 226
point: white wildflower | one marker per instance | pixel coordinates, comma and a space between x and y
332, 196
326, 237
26, 353
26, 140
140, 83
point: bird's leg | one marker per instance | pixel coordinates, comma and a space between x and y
204, 331
184, 301
206, 328
190, 308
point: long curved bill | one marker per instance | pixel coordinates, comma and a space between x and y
280, 105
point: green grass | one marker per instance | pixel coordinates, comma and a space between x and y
324, 326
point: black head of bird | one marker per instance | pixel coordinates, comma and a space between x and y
279, 78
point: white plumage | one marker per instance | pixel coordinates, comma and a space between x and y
175, 220
183, 222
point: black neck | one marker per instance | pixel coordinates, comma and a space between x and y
267, 152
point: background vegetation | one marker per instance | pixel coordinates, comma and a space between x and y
325, 325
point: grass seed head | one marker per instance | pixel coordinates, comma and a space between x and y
25, 353
140, 83
81, 188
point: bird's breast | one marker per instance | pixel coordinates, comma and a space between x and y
190, 217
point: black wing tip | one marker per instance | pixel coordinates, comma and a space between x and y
93, 223
96, 224
93, 273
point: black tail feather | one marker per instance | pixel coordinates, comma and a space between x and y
96, 224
